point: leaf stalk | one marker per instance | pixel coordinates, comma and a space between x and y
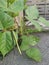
17, 42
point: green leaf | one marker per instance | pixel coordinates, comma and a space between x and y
35, 23
32, 12
44, 21
34, 53
16, 6
24, 45
5, 20
5, 42
3, 3
28, 41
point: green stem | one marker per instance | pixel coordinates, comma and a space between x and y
17, 42
21, 28
7, 3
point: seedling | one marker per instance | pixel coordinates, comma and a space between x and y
12, 32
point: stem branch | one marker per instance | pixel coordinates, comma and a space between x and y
17, 42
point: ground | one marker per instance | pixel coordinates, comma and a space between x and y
14, 58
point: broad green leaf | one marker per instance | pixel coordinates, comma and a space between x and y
3, 3
34, 53
44, 21
24, 45
35, 23
5, 20
16, 6
28, 41
32, 12
5, 42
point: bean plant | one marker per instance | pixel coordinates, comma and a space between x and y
16, 33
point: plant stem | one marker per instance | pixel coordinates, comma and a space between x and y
17, 42
7, 3
21, 27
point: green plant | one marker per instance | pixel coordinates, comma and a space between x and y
8, 8
11, 32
